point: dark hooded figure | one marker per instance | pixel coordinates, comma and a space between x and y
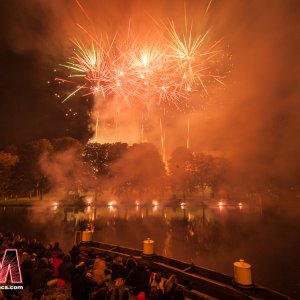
101, 293
142, 278
57, 247
178, 293
40, 275
27, 269
117, 268
74, 253
38, 295
170, 287
130, 272
81, 285
65, 269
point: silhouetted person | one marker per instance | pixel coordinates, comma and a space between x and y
81, 285
26, 269
117, 268
170, 287
40, 275
142, 278
130, 272
65, 269
38, 295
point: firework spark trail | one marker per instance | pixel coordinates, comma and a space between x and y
96, 129
164, 73
164, 151
193, 63
142, 129
188, 134
162, 138
117, 112
83, 10
161, 135
208, 6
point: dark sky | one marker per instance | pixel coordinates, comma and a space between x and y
28, 55
254, 120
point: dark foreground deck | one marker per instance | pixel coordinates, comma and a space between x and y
198, 283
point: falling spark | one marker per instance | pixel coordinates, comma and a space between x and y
162, 138
208, 6
142, 129
188, 134
163, 72
83, 10
117, 112
96, 129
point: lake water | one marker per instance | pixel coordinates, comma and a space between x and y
212, 237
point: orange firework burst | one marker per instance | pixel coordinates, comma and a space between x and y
163, 73
192, 59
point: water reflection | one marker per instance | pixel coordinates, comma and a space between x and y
126, 225
184, 232
212, 236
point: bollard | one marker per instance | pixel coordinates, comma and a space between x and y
87, 236
242, 274
148, 248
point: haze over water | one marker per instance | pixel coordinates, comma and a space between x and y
252, 122
212, 237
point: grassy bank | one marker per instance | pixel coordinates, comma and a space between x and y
19, 201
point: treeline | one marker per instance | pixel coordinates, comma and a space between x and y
128, 172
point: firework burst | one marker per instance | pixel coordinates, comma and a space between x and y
190, 57
164, 73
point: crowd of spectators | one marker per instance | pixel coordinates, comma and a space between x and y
49, 273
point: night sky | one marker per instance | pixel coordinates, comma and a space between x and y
29, 54
254, 120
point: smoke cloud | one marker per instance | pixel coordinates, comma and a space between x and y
252, 120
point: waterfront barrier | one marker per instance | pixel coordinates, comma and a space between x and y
197, 282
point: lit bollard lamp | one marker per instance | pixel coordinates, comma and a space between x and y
87, 236
242, 274
148, 248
